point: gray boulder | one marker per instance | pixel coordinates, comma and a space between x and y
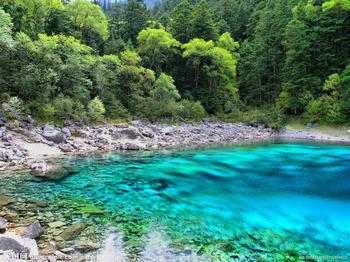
115, 134
35, 230
2, 131
2, 117
131, 147
83, 134
147, 132
9, 244
66, 147
40, 167
53, 135
66, 132
77, 145
130, 133
50, 172
30, 121
10, 125
9, 155
168, 131
8, 138
121, 126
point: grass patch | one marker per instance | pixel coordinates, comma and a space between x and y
326, 129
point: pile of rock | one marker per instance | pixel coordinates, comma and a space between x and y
11, 154
85, 137
17, 244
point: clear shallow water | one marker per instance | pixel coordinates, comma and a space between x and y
274, 200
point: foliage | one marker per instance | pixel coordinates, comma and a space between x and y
272, 118
96, 109
326, 108
88, 16
262, 54
202, 24
135, 82
156, 46
6, 26
192, 110
163, 97
214, 75
179, 22
37, 13
298, 82
13, 107
135, 17
345, 92
293, 56
337, 4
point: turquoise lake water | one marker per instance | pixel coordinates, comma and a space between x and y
270, 200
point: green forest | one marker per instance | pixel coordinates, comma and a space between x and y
255, 61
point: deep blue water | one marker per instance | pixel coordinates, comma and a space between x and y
262, 198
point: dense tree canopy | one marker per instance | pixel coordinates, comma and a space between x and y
6, 26
88, 16
156, 46
222, 57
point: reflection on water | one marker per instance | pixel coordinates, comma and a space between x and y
261, 199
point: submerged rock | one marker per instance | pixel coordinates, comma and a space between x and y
50, 172
73, 231
48, 249
4, 201
86, 246
56, 224
40, 167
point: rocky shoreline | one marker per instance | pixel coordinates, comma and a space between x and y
27, 147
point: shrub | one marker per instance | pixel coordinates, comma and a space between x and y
79, 112
192, 110
272, 118
117, 111
162, 101
4, 97
63, 107
48, 112
114, 108
324, 109
13, 107
96, 109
